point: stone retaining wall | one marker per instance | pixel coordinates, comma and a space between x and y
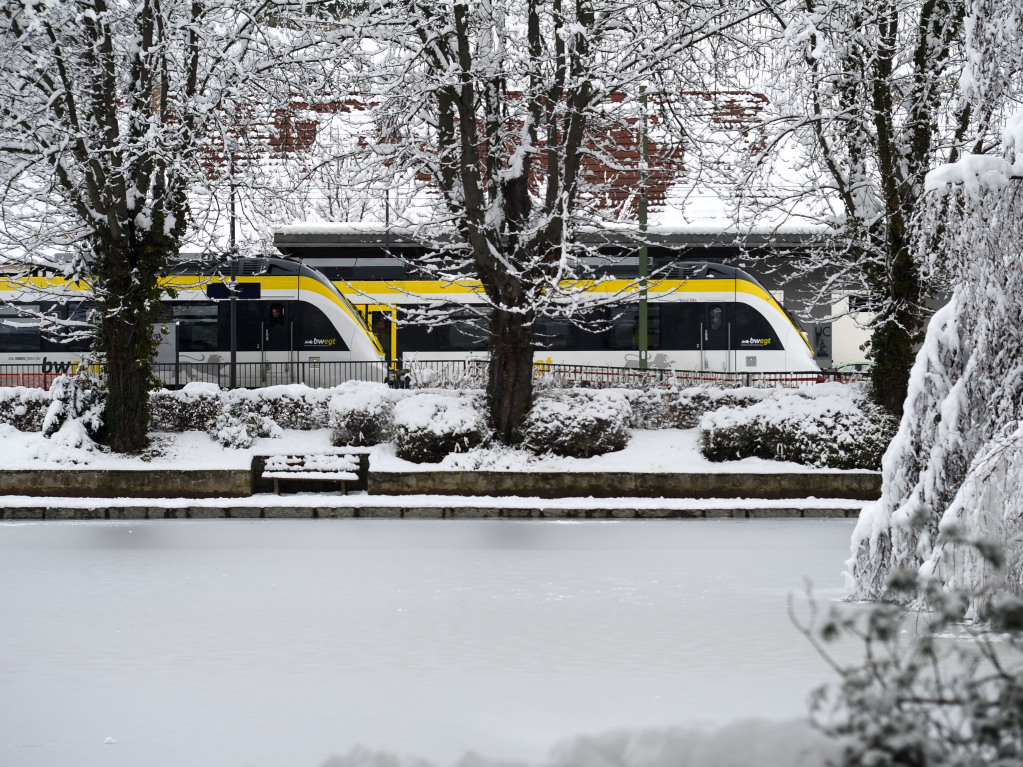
120, 483
852, 485
41, 512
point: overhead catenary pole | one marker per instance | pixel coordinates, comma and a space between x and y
643, 201
233, 287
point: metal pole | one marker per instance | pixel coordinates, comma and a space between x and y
643, 201
233, 377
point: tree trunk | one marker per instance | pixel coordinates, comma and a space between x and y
126, 417
893, 341
129, 305
510, 383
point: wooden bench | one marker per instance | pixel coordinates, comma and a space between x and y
346, 468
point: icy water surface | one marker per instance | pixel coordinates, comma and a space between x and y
236, 643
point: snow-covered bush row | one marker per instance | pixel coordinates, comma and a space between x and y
360, 413
193, 408
683, 408
197, 406
23, 408
579, 423
430, 425
830, 425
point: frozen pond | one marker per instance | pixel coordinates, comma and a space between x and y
235, 643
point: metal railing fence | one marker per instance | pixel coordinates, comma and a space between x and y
451, 374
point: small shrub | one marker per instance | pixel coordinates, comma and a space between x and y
578, 422
429, 426
76, 406
826, 427
193, 408
360, 414
24, 408
237, 425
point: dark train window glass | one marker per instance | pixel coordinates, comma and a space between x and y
591, 332
198, 327
715, 318
555, 334
316, 332
20, 333
624, 333
752, 330
465, 331
681, 325
68, 338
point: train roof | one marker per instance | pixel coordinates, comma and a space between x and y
246, 266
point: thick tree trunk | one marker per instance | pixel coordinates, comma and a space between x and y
510, 384
894, 340
128, 308
128, 378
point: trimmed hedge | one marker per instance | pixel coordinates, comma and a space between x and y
579, 423
683, 408
361, 414
23, 408
810, 427
428, 426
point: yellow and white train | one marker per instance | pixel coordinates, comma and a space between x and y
291, 325
701, 317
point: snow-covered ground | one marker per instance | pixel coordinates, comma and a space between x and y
661, 450
279, 643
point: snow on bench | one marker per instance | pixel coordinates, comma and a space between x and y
317, 467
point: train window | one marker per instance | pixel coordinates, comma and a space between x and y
752, 330
316, 331
464, 331
198, 327
18, 332
72, 338
681, 324
715, 318
555, 334
624, 334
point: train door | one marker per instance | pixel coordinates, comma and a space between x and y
380, 318
277, 335
717, 344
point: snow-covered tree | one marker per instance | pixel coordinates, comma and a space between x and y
111, 113
496, 129
953, 477
867, 100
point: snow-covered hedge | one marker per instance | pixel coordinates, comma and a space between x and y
360, 413
197, 406
193, 408
579, 423
430, 425
683, 408
829, 425
23, 408
294, 406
